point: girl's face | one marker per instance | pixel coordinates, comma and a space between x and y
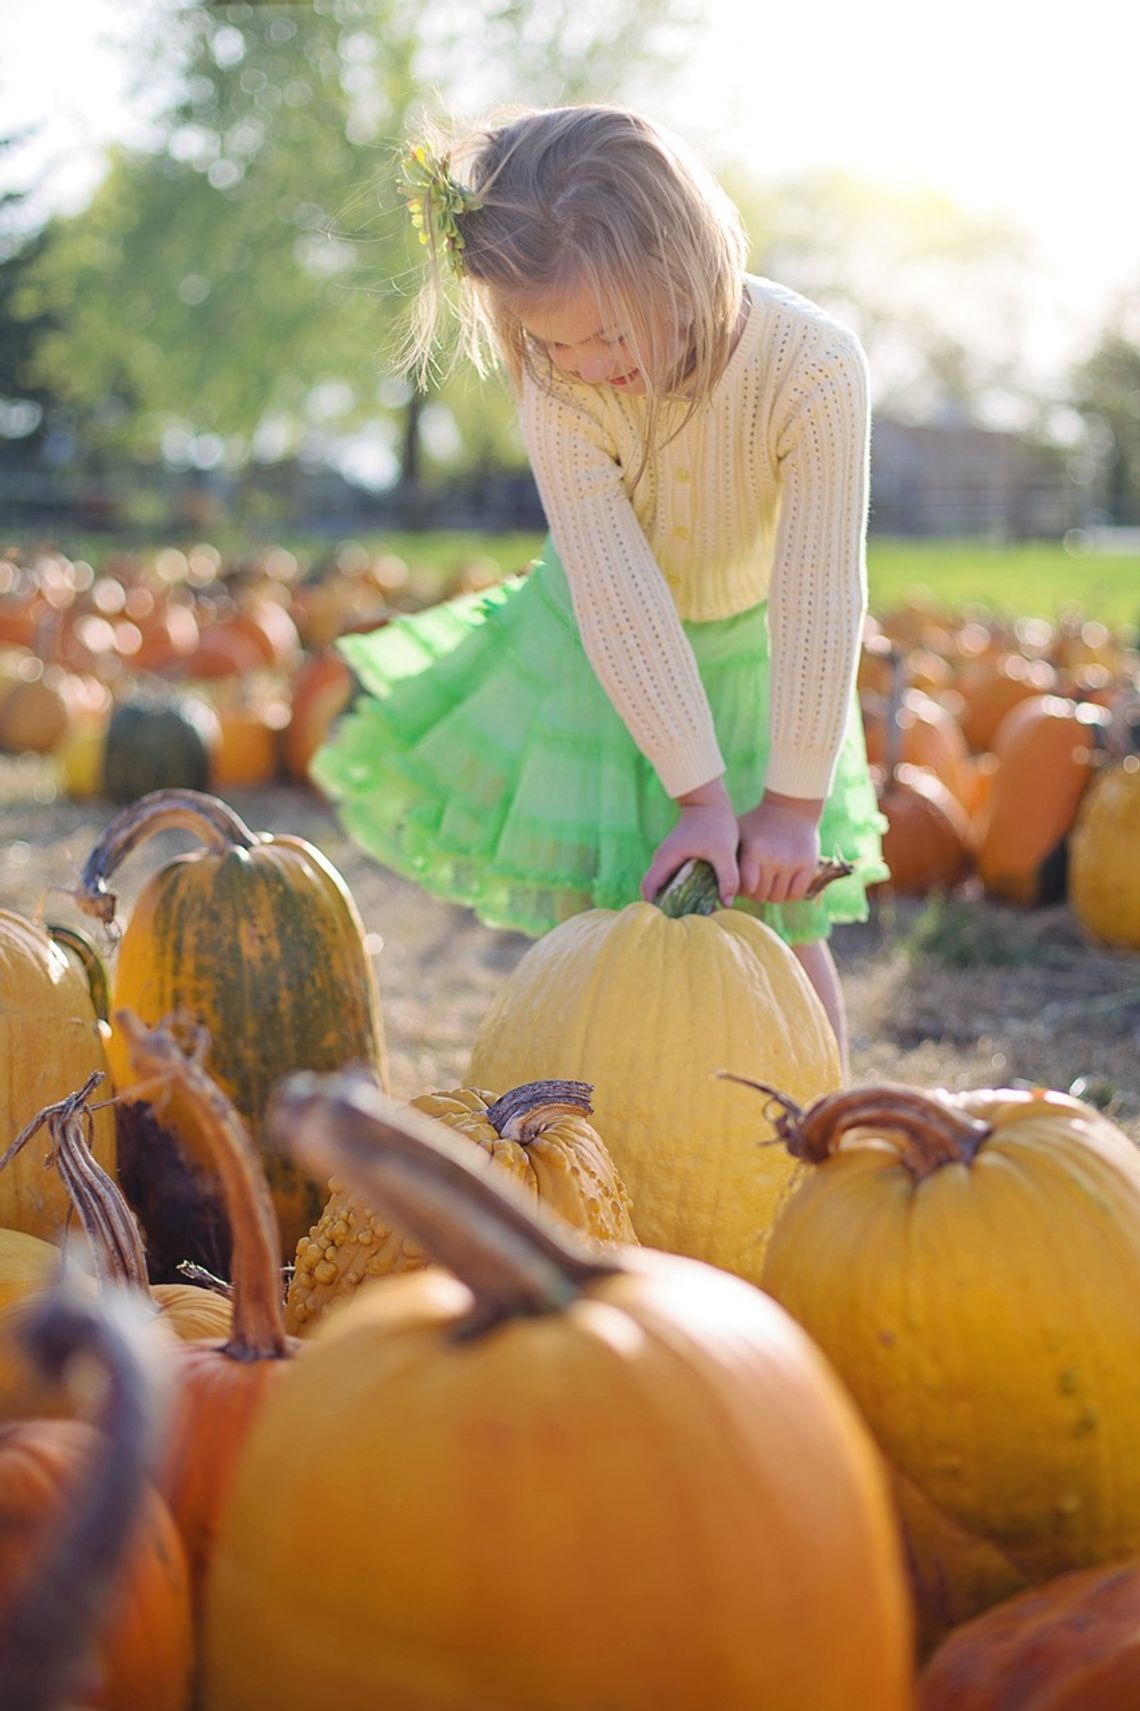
581, 339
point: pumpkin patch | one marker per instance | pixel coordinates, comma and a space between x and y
897, 1473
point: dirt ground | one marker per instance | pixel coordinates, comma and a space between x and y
952, 993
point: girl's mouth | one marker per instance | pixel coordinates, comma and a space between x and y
624, 379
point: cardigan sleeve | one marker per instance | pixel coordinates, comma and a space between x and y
630, 627
820, 444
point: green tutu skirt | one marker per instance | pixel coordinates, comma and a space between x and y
485, 762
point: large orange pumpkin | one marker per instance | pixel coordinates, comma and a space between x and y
646, 1441
1045, 752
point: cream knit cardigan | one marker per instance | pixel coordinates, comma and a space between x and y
763, 495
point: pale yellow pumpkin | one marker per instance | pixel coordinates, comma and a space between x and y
648, 1009
540, 1134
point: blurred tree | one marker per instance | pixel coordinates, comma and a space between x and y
234, 292
24, 403
1106, 391
937, 294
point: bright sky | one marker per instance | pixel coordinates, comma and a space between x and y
1007, 105
994, 101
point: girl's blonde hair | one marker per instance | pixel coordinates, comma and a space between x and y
597, 197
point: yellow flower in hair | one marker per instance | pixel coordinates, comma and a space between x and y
436, 202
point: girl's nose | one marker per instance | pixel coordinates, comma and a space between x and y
595, 369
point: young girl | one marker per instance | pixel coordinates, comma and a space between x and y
675, 677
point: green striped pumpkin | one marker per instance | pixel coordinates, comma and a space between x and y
256, 940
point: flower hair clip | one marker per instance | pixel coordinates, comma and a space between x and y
436, 202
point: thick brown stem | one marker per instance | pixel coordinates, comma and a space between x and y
209, 818
932, 1131
157, 1058
523, 1113
694, 889
461, 1211
65, 1593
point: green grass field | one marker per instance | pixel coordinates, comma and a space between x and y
1031, 579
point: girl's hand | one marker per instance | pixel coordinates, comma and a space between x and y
779, 848
706, 828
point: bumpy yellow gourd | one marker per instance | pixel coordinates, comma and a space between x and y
648, 1008
540, 1134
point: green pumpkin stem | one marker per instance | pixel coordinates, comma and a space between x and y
523, 1113
159, 1060
694, 889
62, 1603
85, 952
208, 817
933, 1132
464, 1214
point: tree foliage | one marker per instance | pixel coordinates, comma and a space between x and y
937, 293
244, 280
1107, 393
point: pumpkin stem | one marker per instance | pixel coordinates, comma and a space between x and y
63, 1596
933, 1132
694, 890
85, 952
450, 1200
258, 1330
117, 1250
208, 817
523, 1113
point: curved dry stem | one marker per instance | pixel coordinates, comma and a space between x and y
62, 1107
116, 1245
933, 1132
523, 1113
65, 1593
467, 1216
208, 817
158, 1059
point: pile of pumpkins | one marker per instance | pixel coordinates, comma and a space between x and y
186, 668
1009, 751
1002, 749
650, 1368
